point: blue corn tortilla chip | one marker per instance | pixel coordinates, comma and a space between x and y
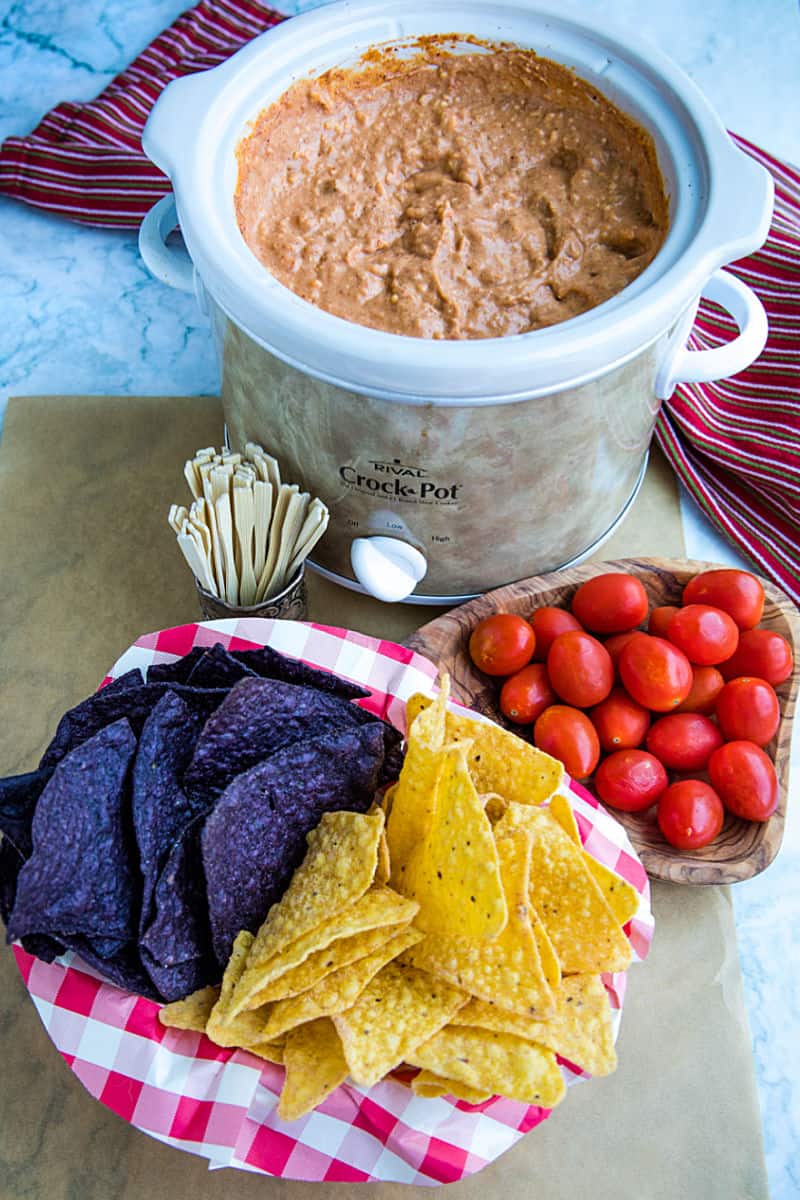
78, 878
124, 969
160, 808
271, 664
132, 678
218, 668
10, 866
257, 718
18, 798
256, 835
181, 979
109, 705
177, 671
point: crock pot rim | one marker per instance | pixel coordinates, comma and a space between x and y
633, 318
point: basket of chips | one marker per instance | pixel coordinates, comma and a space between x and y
437, 964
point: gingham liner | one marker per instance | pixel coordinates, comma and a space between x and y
180, 1088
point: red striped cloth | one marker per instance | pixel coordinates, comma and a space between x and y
735, 445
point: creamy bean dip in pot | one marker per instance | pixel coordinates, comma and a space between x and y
451, 275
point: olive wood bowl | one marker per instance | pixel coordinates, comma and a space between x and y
743, 848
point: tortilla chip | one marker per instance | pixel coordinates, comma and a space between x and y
581, 1029
317, 966
397, 1010
431, 1086
551, 967
494, 805
270, 1051
338, 868
493, 1062
507, 970
621, 896
378, 907
315, 1066
384, 869
454, 872
192, 1012
338, 991
585, 933
500, 761
411, 801
222, 1027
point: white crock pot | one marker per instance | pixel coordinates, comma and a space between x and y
451, 467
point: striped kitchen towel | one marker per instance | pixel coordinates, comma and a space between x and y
735, 444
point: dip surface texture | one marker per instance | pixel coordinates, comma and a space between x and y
475, 195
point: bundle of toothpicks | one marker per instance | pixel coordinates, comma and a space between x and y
246, 533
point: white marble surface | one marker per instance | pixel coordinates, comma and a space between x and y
80, 314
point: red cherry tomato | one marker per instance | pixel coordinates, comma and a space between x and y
620, 722
684, 741
526, 694
745, 779
748, 709
706, 686
630, 780
547, 623
706, 635
737, 593
610, 603
502, 644
615, 644
570, 736
655, 672
690, 814
580, 669
763, 654
660, 618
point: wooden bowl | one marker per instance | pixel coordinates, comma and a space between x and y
743, 848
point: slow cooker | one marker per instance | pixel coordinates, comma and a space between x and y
452, 467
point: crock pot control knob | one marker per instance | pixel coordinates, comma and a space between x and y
387, 568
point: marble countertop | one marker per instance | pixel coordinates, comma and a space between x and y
82, 315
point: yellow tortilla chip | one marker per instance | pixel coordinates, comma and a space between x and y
508, 969
397, 1010
244, 1029
270, 1051
192, 1012
551, 967
411, 804
429, 1085
621, 896
581, 1029
500, 761
338, 991
585, 933
338, 954
494, 1062
380, 906
315, 1066
453, 872
384, 868
339, 866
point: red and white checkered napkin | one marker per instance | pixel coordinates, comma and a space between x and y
182, 1089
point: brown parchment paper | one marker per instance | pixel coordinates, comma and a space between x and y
87, 563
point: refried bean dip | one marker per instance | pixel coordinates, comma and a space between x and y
469, 196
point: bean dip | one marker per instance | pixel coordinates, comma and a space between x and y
460, 196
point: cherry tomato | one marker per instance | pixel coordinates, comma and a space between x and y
660, 618
580, 669
737, 593
706, 635
502, 644
526, 694
547, 623
690, 814
630, 780
620, 722
748, 709
706, 686
655, 672
569, 735
745, 779
761, 653
684, 741
614, 646
610, 603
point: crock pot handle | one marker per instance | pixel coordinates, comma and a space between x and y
171, 264
704, 366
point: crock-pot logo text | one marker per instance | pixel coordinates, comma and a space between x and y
399, 481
